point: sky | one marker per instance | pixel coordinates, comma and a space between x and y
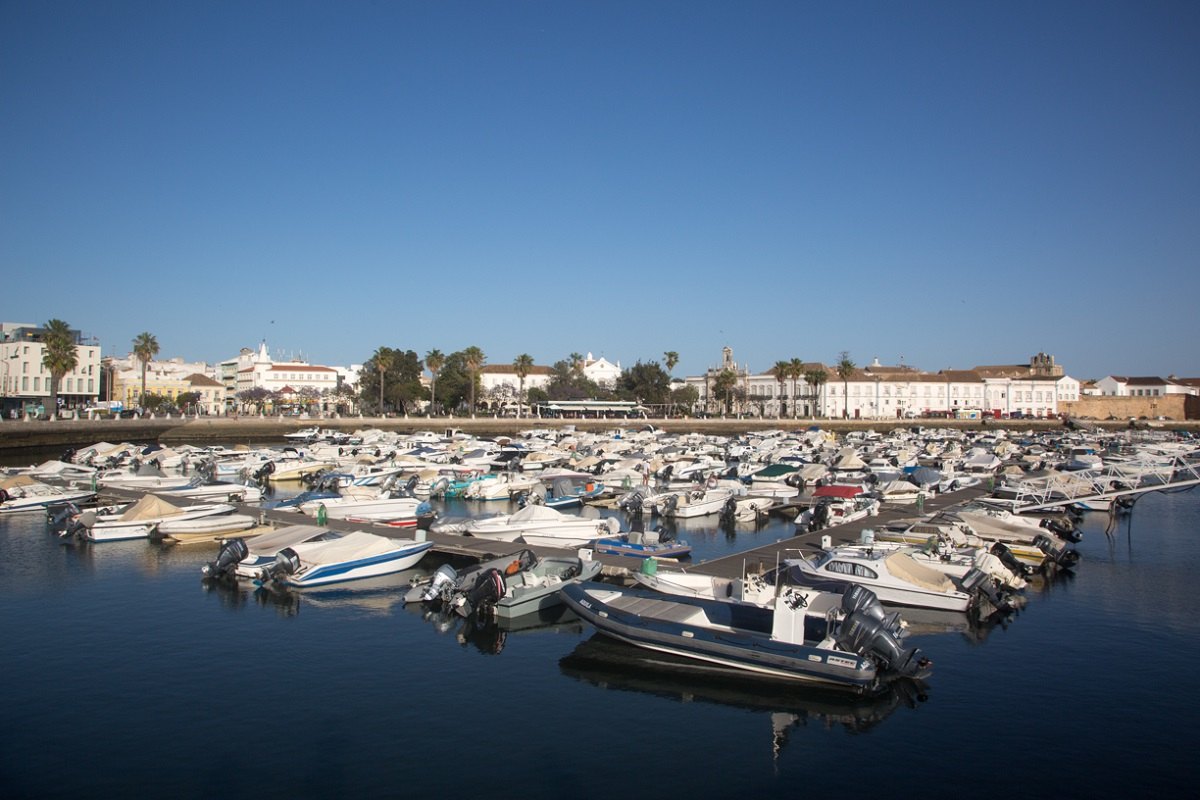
940, 184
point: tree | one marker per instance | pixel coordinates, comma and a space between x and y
59, 356
145, 348
522, 365
795, 372
670, 358
780, 371
724, 384
568, 383
382, 362
186, 400
645, 383
685, 396
474, 359
255, 396
816, 378
434, 361
576, 361
845, 368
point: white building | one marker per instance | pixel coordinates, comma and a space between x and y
25, 383
601, 371
1122, 386
294, 382
878, 391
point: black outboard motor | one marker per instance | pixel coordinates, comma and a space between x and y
489, 587
232, 551
1067, 532
77, 524
1061, 556
729, 512
866, 635
859, 599
263, 474
287, 562
669, 505
820, 516
632, 503
978, 582
411, 486
68, 455
1015, 565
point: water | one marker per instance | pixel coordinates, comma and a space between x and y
121, 673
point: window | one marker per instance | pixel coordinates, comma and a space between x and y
847, 568
37, 383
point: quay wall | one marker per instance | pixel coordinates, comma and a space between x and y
1174, 406
16, 435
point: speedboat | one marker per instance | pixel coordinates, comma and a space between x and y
22, 493
536, 524
138, 520
641, 544
239, 558
352, 556
896, 578
205, 529
509, 587
691, 503
804, 635
837, 504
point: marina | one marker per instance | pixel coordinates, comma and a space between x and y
136, 619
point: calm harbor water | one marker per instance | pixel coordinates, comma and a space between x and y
123, 673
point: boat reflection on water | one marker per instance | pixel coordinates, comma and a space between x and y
611, 664
371, 595
490, 635
972, 627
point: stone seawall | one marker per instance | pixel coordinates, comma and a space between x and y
16, 435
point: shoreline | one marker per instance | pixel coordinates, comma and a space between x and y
20, 435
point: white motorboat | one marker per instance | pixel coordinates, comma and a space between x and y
837, 504
221, 490
691, 503
23, 493
895, 578
242, 558
205, 529
536, 524
504, 486
350, 557
139, 520
383, 507
508, 587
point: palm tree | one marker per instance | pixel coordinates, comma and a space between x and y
521, 365
145, 348
576, 363
670, 358
383, 362
474, 359
845, 368
781, 370
59, 356
816, 378
434, 361
795, 372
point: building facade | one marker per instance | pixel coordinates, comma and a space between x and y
25, 383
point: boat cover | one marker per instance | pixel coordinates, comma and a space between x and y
903, 566
150, 507
18, 480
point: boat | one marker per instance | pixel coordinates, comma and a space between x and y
138, 520
220, 490
896, 578
805, 635
205, 529
23, 493
386, 506
239, 558
643, 544
837, 504
568, 489
519, 585
504, 486
349, 557
536, 524
690, 504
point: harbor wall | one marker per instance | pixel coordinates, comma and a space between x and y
33, 434
1176, 407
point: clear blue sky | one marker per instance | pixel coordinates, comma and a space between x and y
948, 183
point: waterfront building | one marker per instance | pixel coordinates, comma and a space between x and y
1122, 386
167, 378
290, 384
601, 371
25, 383
499, 384
879, 391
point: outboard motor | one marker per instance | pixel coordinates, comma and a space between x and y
1062, 556
631, 503
411, 485
489, 587
669, 505
425, 515
1015, 565
729, 512
68, 455
440, 584
77, 524
978, 582
263, 474
1067, 532
865, 635
232, 551
58, 520
287, 562
820, 516
859, 599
